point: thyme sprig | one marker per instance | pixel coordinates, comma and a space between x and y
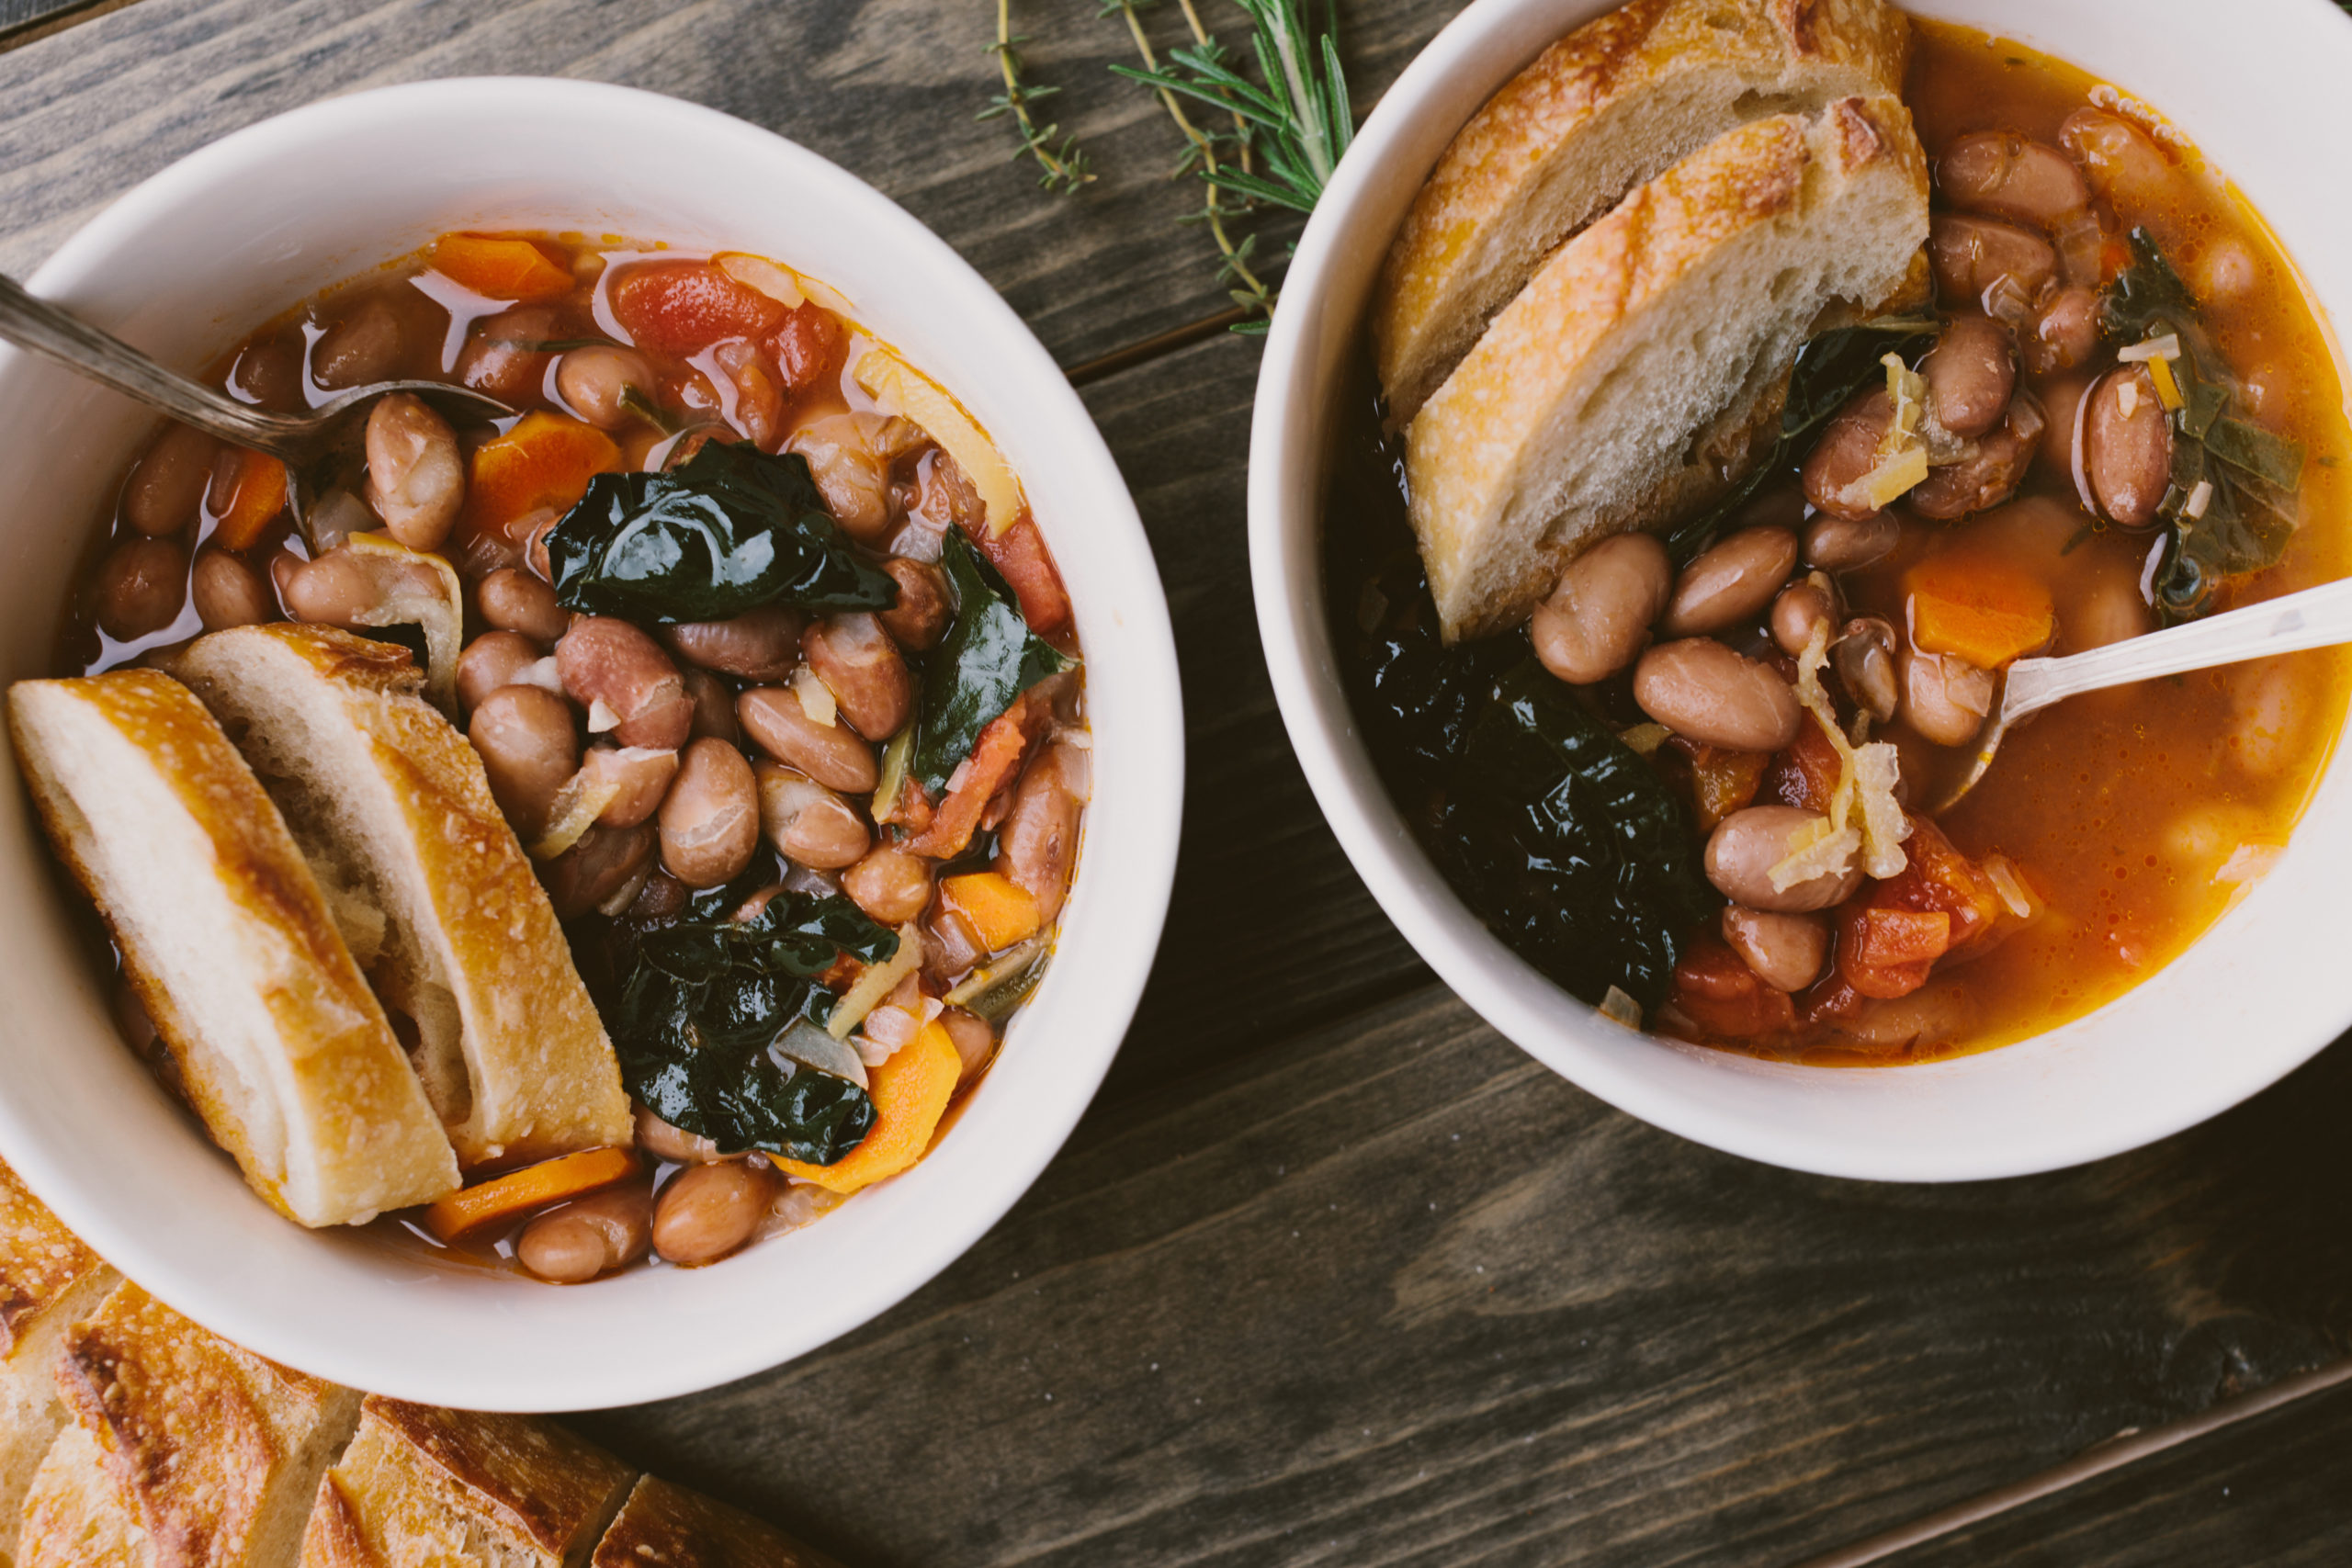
1060, 158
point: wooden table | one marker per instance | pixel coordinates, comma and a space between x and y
1333, 1272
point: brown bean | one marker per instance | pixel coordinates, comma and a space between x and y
609, 664
975, 1041
920, 617
643, 776
1598, 619
416, 478
163, 492
714, 706
1864, 658
515, 601
1703, 690
529, 748
1848, 449
594, 382
2062, 402
710, 819
832, 754
662, 898
590, 1236
889, 884
2127, 446
808, 823
662, 1141
2123, 164
268, 372
762, 644
490, 661
1037, 842
1988, 478
2066, 335
228, 593
334, 590
140, 586
2006, 175
863, 668
1970, 374
603, 872
1843, 543
502, 357
363, 347
1785, 951
708, 1211
1971, 256
1749, 843
851, 478
1801, 607
1944, 698
1730, 583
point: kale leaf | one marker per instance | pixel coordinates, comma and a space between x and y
987, 659
729, 529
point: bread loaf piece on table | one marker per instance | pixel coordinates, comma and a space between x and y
421, 1484
1611, 105
48, 1280
391, 803
663, 1525
282, 1048
1634, 373
184, 1450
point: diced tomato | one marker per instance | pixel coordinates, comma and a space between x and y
808, 346
1806, 775
994, 763
681, 308
1716, 989
1885, 938
1936, 877
1020, 553
1828, 998
1724, 782
1856, 933
1891, 935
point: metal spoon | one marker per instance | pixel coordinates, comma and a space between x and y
2316, 617
300, 440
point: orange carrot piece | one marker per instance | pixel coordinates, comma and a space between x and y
1723, 782
544, 462
499, 269
1000, 912
504, 1198
911, 1094
252, 506
1977, 607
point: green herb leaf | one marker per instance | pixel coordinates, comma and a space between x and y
727, 531
988, 658
2273, 460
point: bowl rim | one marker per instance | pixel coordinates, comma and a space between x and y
1117, 950
1567, 1034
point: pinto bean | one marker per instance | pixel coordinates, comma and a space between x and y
853, 479
1731, 582
417, 480
708, 1211
595, 381
889, 884
490, 661
1598, 618
761, 645
515, 601
714, 706
2123, 163
1864, 658
2062, 402
862, 667
140, 586
675, 1145
643, 776
1991, 476
1842, 543
808, 823
1803, 605
1747, 845
1944, 698
2127, 446
590, 1236
2066, 335
920, 618
1848, 449
606, 661
710, 819
163, 492
365, 347
1702, 690
332, 590
1970, 374
603, 872
228, 593
1785, 951
502, 354
832, 754
974, 1040
1971, 254
1037, 842
268, 372
529, 748
2009, 176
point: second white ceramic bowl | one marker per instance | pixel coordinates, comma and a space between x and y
2258, 85
186, 264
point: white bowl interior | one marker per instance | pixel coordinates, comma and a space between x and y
2255, 85
182, 267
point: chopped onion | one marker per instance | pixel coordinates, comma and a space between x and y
577, 805
1619, 1008
879, 981
1644, 739
601, 717
542, 674
2199, 499
2165, 348
811, 1046
2012, 887
2249, 861
815, 697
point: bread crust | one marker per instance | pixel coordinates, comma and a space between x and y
48, 1278
1610, 106
663, 1525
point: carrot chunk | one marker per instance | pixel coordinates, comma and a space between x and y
255, 496
1977, 607
499, 269
504, 1198
911, 1094
544, 462
1000, 911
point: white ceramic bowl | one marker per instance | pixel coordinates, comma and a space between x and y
2258, 85
182, 266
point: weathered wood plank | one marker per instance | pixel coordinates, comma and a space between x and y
1393, 1294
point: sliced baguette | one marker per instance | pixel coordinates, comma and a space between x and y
1610, 106
1639, 370
184, 1450
663, 1525
48, 1280
282, 1048
421, 1484
391, 803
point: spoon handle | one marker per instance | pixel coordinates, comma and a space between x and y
44, 329
2315, 617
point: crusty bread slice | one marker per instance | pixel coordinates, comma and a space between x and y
422, 1484
281, 1047
184, 1450
391, 805
1613, 103
663, 1525
1633, 375
48, 1278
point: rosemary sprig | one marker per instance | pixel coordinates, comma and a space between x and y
1062, 161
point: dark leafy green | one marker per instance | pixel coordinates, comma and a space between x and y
729, 530
701, 1001
988, 658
